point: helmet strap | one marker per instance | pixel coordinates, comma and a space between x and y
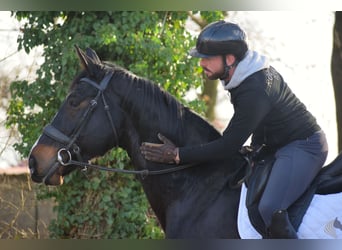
226, 67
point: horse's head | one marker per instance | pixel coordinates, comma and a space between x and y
83, 127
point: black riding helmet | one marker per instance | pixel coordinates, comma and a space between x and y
221, 38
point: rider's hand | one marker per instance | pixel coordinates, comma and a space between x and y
166, 152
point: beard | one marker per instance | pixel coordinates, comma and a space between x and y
213, 75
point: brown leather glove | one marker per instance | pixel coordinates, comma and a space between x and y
162, 153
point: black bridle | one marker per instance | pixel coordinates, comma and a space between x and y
70, 142
64, 155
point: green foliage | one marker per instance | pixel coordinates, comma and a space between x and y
102, 205
212, 16
151, 44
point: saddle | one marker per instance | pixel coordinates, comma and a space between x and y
255, 173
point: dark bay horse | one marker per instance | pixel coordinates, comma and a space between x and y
110, 107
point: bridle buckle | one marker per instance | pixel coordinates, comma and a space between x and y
64, 157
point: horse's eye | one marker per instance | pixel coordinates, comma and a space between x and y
73, 102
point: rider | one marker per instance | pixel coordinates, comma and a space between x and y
264, 108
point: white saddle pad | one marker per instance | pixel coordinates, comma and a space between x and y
323, 219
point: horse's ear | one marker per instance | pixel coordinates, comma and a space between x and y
92, 54
89, 63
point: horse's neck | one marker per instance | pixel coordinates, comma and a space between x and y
130, 141
129, 138
147, 108
149, 111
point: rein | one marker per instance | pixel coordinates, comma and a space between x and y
64, 155
143, 173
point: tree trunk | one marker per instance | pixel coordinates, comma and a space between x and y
209, 95
336, 72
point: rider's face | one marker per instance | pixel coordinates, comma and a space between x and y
212, 66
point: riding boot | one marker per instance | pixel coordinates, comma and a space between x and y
281, 227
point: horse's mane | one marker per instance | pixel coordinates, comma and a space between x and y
159, 108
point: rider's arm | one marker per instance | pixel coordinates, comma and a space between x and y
250, 107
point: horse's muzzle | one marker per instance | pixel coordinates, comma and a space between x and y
43, 165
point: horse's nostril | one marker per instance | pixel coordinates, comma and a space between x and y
32, 163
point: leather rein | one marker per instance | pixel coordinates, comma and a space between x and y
64, 154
